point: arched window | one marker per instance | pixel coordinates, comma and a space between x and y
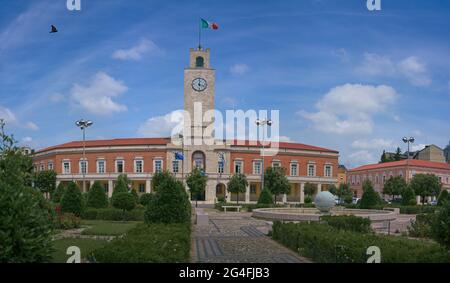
199, 62
198, 159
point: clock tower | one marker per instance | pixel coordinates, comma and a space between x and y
199, 84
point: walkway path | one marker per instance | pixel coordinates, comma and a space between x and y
238, 238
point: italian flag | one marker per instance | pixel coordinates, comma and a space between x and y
206, 24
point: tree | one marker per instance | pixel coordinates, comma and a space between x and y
394, 186
237, 184
383, 157
135, 195
159, 177
45, 181
26, 228
408, 196
344, 192
265, 197
332, 189
425, 185
440, 228
71, 201
169, 204
370, 197
196, 182
97, 197
58, 193
124, 201
121, 185
443, 197
276, 182
310, 189
145, 199
398, 154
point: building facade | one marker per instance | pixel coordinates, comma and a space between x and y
141, 158
378, 174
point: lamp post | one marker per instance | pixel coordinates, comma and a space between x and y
83, 124
263, 123
408, 141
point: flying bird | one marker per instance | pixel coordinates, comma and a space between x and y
54, 29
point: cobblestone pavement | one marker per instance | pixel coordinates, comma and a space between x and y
238, 238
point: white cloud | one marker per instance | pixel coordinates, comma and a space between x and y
7, 115
57, 97
361, 157
411, 68
97, 96
349, 109
162, 126
415, 71
135, 53
27, 140
31, 126
417, 147
239, 69
373, 144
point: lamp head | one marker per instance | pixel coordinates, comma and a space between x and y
405, 139
258, 122
269, 122
412, 140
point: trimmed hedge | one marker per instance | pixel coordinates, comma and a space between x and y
113, 214
154, 243
246, 207
325, 244
349, 223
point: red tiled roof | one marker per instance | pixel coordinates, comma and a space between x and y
113, 142
283, 145
411, 162
165, 141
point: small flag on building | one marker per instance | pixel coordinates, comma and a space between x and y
209, 25
221, 158
179, 156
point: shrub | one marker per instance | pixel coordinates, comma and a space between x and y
145, 199
135, 196
349, 223
68, 221
443, 197
310, 189
170, 203
308, 199
421, 227
408, 196
348, 199
155, 243
265, 197
158, 178
370, 197
121, 185
112, 214
59, 192
123, 201
440, 227
97, 197
71, 201
325, 244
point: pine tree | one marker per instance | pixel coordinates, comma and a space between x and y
370, 197
59, 192
97, 197
71, 201
265, 197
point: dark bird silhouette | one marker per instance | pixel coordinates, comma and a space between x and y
54, 29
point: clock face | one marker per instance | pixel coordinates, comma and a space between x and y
199, 84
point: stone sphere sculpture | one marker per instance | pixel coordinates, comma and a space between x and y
325, 201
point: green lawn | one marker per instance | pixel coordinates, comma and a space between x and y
107, 228
86, 247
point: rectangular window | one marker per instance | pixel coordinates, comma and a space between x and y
83, 167
50, 166
119, 166
328, 171
138, 166
101, 167
253, 189
142, 188
42, 167
276, 164
294, 169
257, 168
158, 166
176, 166
66, 168
221, 167
238, 167
311, 170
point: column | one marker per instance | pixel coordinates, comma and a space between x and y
418, 199
247, 194
110, 188
57, 183
302, 193
228, 195
148, 187
91, 183
284, 198
319, 188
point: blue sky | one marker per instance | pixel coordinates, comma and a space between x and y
342, 77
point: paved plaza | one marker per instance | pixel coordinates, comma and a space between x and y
238, 238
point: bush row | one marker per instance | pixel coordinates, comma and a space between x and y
245, 206
348, 223
154, 243
113, 214
325, 244
404, 209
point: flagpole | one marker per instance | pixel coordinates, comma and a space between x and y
200, 34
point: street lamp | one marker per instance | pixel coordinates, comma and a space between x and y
83, 124
263, 123
408, 141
